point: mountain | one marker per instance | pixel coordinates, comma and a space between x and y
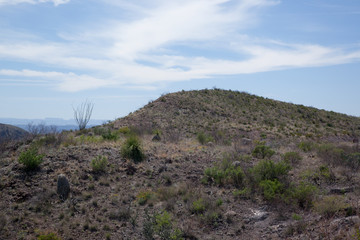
223, 165
9, 132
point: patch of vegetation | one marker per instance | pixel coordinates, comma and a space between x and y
99, 164
304, 194
330, 205
292, 157
160, 225
48, 236
132, 149
31, 159
198, 206
203, 138
306, 146
225, 174
262, 151
110, 135
143, 197
269, 170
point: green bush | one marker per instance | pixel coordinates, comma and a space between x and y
330, 205
306, 146
226, 173
292, 157
203, 138
161, 226
109, 135
304, 194
124, 130
262, 151
31, 159
271, 188
99, 164
49, 236
198, 206
268, 170
132, 149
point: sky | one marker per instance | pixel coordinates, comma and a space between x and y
121, 54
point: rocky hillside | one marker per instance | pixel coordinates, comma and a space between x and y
209, 164
237, 114
8, 132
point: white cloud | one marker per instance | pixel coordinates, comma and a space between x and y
13, 2
148, 49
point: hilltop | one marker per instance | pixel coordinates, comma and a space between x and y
8, 132
223, 165
237, 114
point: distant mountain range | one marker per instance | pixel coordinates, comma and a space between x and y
61, 124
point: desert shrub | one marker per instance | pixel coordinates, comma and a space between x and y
124, 130
242, 193
99, 164
132, 149
330, 154
292, 157
100, 131
306, 146
160, 225
121, 214
143, 197
31, 159
262, 151
48, 236
330, 205
271, 188
198, 206
226, 173
304, 194
203, 138
212, 218
109, 135
268, 170
353, 160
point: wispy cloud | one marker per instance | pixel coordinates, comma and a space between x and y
156, 44
13, 2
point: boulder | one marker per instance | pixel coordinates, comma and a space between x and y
63, 187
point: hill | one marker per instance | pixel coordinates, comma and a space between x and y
8, 132
231, 114
228, 165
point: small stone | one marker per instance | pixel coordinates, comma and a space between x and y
63, 187
236, 164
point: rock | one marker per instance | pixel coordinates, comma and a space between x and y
259, 215
246, 141
156, 138
236, 164
341, 190
63, 187
230, 214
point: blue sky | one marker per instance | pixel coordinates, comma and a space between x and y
120, 54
